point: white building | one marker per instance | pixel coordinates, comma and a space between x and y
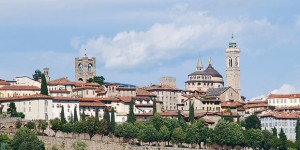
26, 81
284, 100
14, 90
280, 120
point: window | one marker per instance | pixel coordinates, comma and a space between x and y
29, 109
29, 103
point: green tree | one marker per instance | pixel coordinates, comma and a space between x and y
178, 136
75, 115
12, 110
5, 140
252, 122
106, 117
201, 133
148, 134
297, 129
119, 131
191, 111
131, 117
274, 131
55, 125
191, 138
103, 127
83, 115
130, 131
67, 128
25, 139
62, 115
20, 114
79, 127
283, 140
156, 121
97, 114
267, 143
112, 121
98, 79
37, 74
42, 125
171, 125
235, 135
30, 125
80, 145
44, 88
91, 126
254, 138
164, 133
18, 124
230, 117
275, 142
154, 106
179, 115
221, 133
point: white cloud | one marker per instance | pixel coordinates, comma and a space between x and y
286, 89
188, 32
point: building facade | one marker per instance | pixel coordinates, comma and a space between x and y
233, 66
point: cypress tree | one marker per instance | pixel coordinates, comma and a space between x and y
106, 117
131, 117
83, 115
283, 140
112, 121
75, 115
62, 115
191, 112
297, 129
179, 116
97, 114
44, 89
154, 106
274, 131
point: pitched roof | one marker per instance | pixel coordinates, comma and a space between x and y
61, 81
66, 99
161, 88
282, 115
93, 84
94, 104
59, 91
84, 87
17, 98
126, 99
25, 88
2, 82
216, 91
142, 92
284, 96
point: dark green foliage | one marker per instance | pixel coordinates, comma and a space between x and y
230, 117
130, 131
190, 132
119, 131
267, 142
252, 122
44, 88
106, 117
25, 139
179, 115
91, 126
30, 125
283, 140
62, 115
20, 114
274, 131
254, 138
154, 106
164, 133
156, 121
42, 125
18, 124
131, 117
12, 110
75, 115
148, 134
103, 127
112, 121
191, 111
297, 129
67, 128
37, 74
5, 140
79, 127
83, 115
98, 79
97, 114
55, 124
178, 136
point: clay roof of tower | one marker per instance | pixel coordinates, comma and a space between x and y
61, 81
25, 88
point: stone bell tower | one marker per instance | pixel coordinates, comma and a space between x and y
85, 68
233, 66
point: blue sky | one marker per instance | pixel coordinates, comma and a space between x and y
137, 42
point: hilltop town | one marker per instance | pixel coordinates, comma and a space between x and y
208, 101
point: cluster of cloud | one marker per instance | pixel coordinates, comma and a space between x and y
284, 89
187, 33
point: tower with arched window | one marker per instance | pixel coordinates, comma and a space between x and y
233, 66
85, 68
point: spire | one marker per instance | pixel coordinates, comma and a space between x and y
209, 60
199, 64
232, 42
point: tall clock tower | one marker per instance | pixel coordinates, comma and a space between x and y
85, 68
233, 66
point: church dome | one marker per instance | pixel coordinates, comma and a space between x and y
198, 72
210, 70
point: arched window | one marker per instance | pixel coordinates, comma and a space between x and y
237, 61
230, 62
90, 68
80, 66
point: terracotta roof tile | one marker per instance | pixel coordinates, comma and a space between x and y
284, 96
81, 84
59, 91
94, 104
2, 82
142, 92
126, 88
84, 87
66, 99
126, 99
25, 88
61, 81
282, 115
17, 98
161, 87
